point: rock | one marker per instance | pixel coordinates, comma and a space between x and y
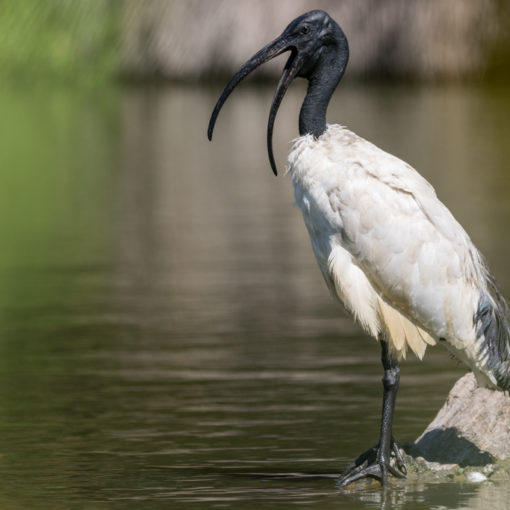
476, 477
469, 436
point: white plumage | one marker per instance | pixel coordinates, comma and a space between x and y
387, 247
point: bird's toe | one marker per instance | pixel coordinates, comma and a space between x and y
371, 464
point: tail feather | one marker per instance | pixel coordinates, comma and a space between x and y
492, 321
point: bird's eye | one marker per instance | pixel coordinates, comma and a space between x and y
304, 29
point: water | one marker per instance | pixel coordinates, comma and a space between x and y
166, 340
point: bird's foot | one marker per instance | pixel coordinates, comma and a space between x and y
374, 464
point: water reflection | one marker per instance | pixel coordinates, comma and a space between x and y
166, 335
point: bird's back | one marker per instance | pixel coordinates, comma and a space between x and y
394, 254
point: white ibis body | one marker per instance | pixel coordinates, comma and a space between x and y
387, 247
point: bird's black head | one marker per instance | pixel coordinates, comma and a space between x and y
319, 51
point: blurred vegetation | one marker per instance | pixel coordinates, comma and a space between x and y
59, 40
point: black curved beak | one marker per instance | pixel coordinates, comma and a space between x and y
273, 49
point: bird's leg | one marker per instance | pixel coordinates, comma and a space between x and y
391, 380
376, 462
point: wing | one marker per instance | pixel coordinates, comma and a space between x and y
395, 255
406, 241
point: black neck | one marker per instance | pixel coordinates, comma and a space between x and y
322, 82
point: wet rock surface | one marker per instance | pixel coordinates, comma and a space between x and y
469, 438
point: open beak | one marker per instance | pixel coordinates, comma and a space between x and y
273, 49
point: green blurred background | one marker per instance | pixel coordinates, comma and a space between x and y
59, 41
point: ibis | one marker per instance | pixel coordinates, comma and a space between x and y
387, 247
